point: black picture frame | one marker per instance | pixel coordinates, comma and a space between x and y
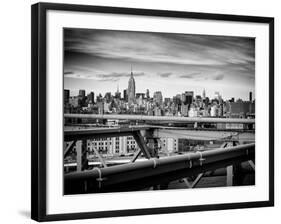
39, 107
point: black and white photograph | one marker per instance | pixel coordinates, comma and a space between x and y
150, 111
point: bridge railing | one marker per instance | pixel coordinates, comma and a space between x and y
162, 118
195, 162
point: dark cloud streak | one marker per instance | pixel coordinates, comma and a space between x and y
165, 74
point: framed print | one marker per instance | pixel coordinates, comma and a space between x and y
163, 111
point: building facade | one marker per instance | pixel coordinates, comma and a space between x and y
131, 89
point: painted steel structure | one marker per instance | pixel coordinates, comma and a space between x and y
94, 180
162, 118
106, 178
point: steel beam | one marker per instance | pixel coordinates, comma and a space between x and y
193, 134
141, 143
95, 133
136, 155
77, 186
98, 155
68, 148
162, 118
229, 175
193, 183
151, 167
81, 155
252, 164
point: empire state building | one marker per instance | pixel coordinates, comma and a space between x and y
131, 89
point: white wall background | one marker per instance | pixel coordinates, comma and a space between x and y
15, 110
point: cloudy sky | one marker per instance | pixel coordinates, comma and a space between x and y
100, 60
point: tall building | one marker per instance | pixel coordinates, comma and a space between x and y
184, 110
204, 94
91, 97
250, 96
177, 99
214, 111
188, 97
117, 93
66, 95
113, 145
167, 101
125, 93
99, 98
131, 89
169, 145
147, 94
82, 93
74, 101
107, 96
157, 97
138, 95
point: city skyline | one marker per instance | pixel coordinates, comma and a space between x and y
101, 60
213, 96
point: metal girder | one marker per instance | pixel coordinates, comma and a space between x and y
153, 167
206, 134
81, 157
252, 164
235, 174
68, 148
136, 155
78, 134
162, 118
141, 143
229, 175
98, 155
193, 183
113, 183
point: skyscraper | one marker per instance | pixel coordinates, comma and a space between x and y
147, 94
82, 93
66, 95
91, 97
250, 96
125, 93
187, 97
131, 89
204, 94
117, 93
158, 98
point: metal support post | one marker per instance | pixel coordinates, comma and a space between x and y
195, 182
141, 143
68, 148
234, 175
229, 176
136, 155
81, 150
98, 155
252, 164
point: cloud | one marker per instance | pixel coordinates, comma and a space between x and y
161, 47
88, 74
190, 60
199, 76
218, 77
120, 74
68, 73
191, 75
165, 74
